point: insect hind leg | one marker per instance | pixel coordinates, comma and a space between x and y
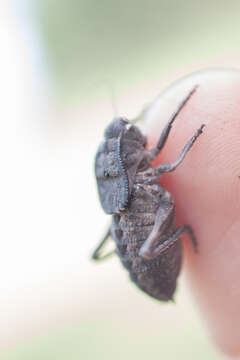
172, 240
97, 254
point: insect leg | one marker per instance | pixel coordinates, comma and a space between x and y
170, 167
163, 220
97, 254
166, 130
171, 241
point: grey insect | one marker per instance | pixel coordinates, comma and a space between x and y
143, 224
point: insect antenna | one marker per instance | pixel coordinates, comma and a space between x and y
113, 98
141, 115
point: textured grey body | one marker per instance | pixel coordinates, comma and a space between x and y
143, 221
131, 228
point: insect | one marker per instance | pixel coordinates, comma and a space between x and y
143, 224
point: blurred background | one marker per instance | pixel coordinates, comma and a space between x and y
66, 68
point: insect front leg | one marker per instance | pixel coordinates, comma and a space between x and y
170, 167
97, 254
164, 135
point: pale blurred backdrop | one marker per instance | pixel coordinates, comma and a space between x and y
66, 68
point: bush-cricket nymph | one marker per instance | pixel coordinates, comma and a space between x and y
143, 226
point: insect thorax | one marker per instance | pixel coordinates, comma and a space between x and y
116, 164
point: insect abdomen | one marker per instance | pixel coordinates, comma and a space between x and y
157, 280
130, 230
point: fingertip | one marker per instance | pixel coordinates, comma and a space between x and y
206, 189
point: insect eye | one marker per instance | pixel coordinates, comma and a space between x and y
106, 173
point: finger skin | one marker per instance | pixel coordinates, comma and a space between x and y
206, 188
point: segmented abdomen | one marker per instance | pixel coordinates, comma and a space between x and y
130, 229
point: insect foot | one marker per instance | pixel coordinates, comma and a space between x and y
143, 226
